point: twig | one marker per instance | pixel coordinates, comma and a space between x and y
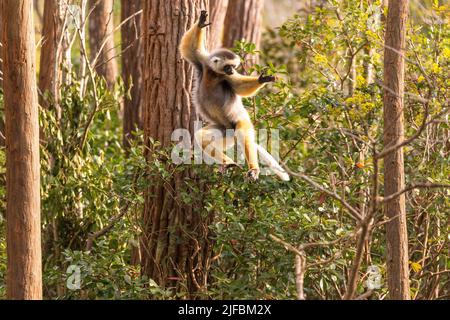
106, 39
366, 227
93, 236
287, 245
405, 142
412, 187
353, 212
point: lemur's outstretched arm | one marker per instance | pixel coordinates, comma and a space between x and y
247, 86
192, 47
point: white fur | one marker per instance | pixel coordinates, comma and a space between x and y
272, 163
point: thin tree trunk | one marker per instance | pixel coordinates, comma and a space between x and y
50, 71
394, 176
243, 21
2, 113
24, 275
132, 54
351, 81
176, 249
368, 67
218, 12
131, 68
369, 72
101, 27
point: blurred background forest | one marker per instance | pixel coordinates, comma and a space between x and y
120, 221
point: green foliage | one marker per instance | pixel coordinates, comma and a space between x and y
104, 274
87, 181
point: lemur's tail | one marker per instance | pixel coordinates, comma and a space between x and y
268, 160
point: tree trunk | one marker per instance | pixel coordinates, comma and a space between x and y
175, 244
394, 177
50, 71
351, 81
38, 10
218, 11
101, 39
2, 113
24, 276
243, 21
131, 68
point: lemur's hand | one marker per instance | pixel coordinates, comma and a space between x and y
203, 18
265, 79
253, 174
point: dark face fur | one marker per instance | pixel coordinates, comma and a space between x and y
224, 61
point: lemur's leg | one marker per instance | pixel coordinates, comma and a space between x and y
247, 86
246, 137
193, 43
215, 143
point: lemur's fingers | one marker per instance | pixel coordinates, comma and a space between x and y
265, 79
203, 18
253, 174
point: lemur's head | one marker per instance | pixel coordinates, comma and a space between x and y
224, 61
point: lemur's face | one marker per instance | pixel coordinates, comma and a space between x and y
224, 61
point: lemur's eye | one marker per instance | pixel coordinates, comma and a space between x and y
216, 60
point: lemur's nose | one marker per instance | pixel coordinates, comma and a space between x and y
228, 69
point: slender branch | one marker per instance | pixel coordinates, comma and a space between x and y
405, 142
287, 245
326, 243
323, 262
106, 39
354, 272
353, 212
366, 227
412, 187
93, 236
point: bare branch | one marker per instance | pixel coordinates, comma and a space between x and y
353, 212
287, 245
399, 145
109, 35
425, 185
93, 236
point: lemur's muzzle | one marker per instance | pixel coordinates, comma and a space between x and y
228, 69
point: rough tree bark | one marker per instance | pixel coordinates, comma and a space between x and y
132, 54
50, 71
394, 176
218, 11
2, 113
243, 21
24, 274
101, 27
176, 249
131, 68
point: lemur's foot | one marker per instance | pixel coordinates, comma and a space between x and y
253, 174
265, 79
203, 18
224, 167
